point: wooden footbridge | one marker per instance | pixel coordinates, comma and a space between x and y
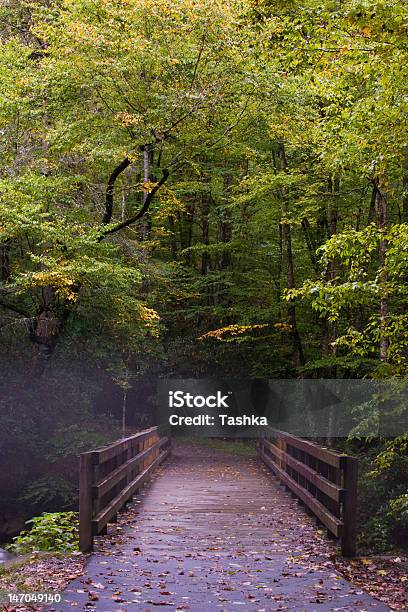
215, 529
325, 481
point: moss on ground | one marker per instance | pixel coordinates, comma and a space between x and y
242, 448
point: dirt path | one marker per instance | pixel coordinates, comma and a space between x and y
214, 531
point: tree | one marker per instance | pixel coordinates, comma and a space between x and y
115, 93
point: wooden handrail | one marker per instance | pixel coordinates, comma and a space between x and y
324, 480
109, 476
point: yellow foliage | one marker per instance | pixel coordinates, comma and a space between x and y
283, 326
62, 285
149, 316
127, 119
232, 330
170, 205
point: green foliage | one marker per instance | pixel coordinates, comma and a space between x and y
375, 534
50, 491
52, 531
73, 439
398, 514
383, 495
364, 286
196, 188
393, 459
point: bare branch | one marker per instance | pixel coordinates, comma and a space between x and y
142, 211
110, 189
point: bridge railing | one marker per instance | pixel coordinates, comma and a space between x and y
325, 481
109, 476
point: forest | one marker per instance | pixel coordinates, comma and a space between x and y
191, 189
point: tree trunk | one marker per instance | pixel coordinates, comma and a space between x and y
224, 236
329, 330
311, 246
146, 227
190, 226
173, 239
223, 258
372, 209
381, 214
4, 261
124, 406
298, 355
205, 225
405, 191
279, 272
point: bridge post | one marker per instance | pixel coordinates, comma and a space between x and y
85, 502
348, 539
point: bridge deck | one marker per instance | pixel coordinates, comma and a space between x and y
213, 531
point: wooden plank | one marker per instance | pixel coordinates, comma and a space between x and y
330, 489
325, 455
334, 524
348, 540
275, 450
106, 453
85, 502
117, 475
116, 504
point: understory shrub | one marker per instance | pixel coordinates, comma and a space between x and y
383, 496
52, 531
